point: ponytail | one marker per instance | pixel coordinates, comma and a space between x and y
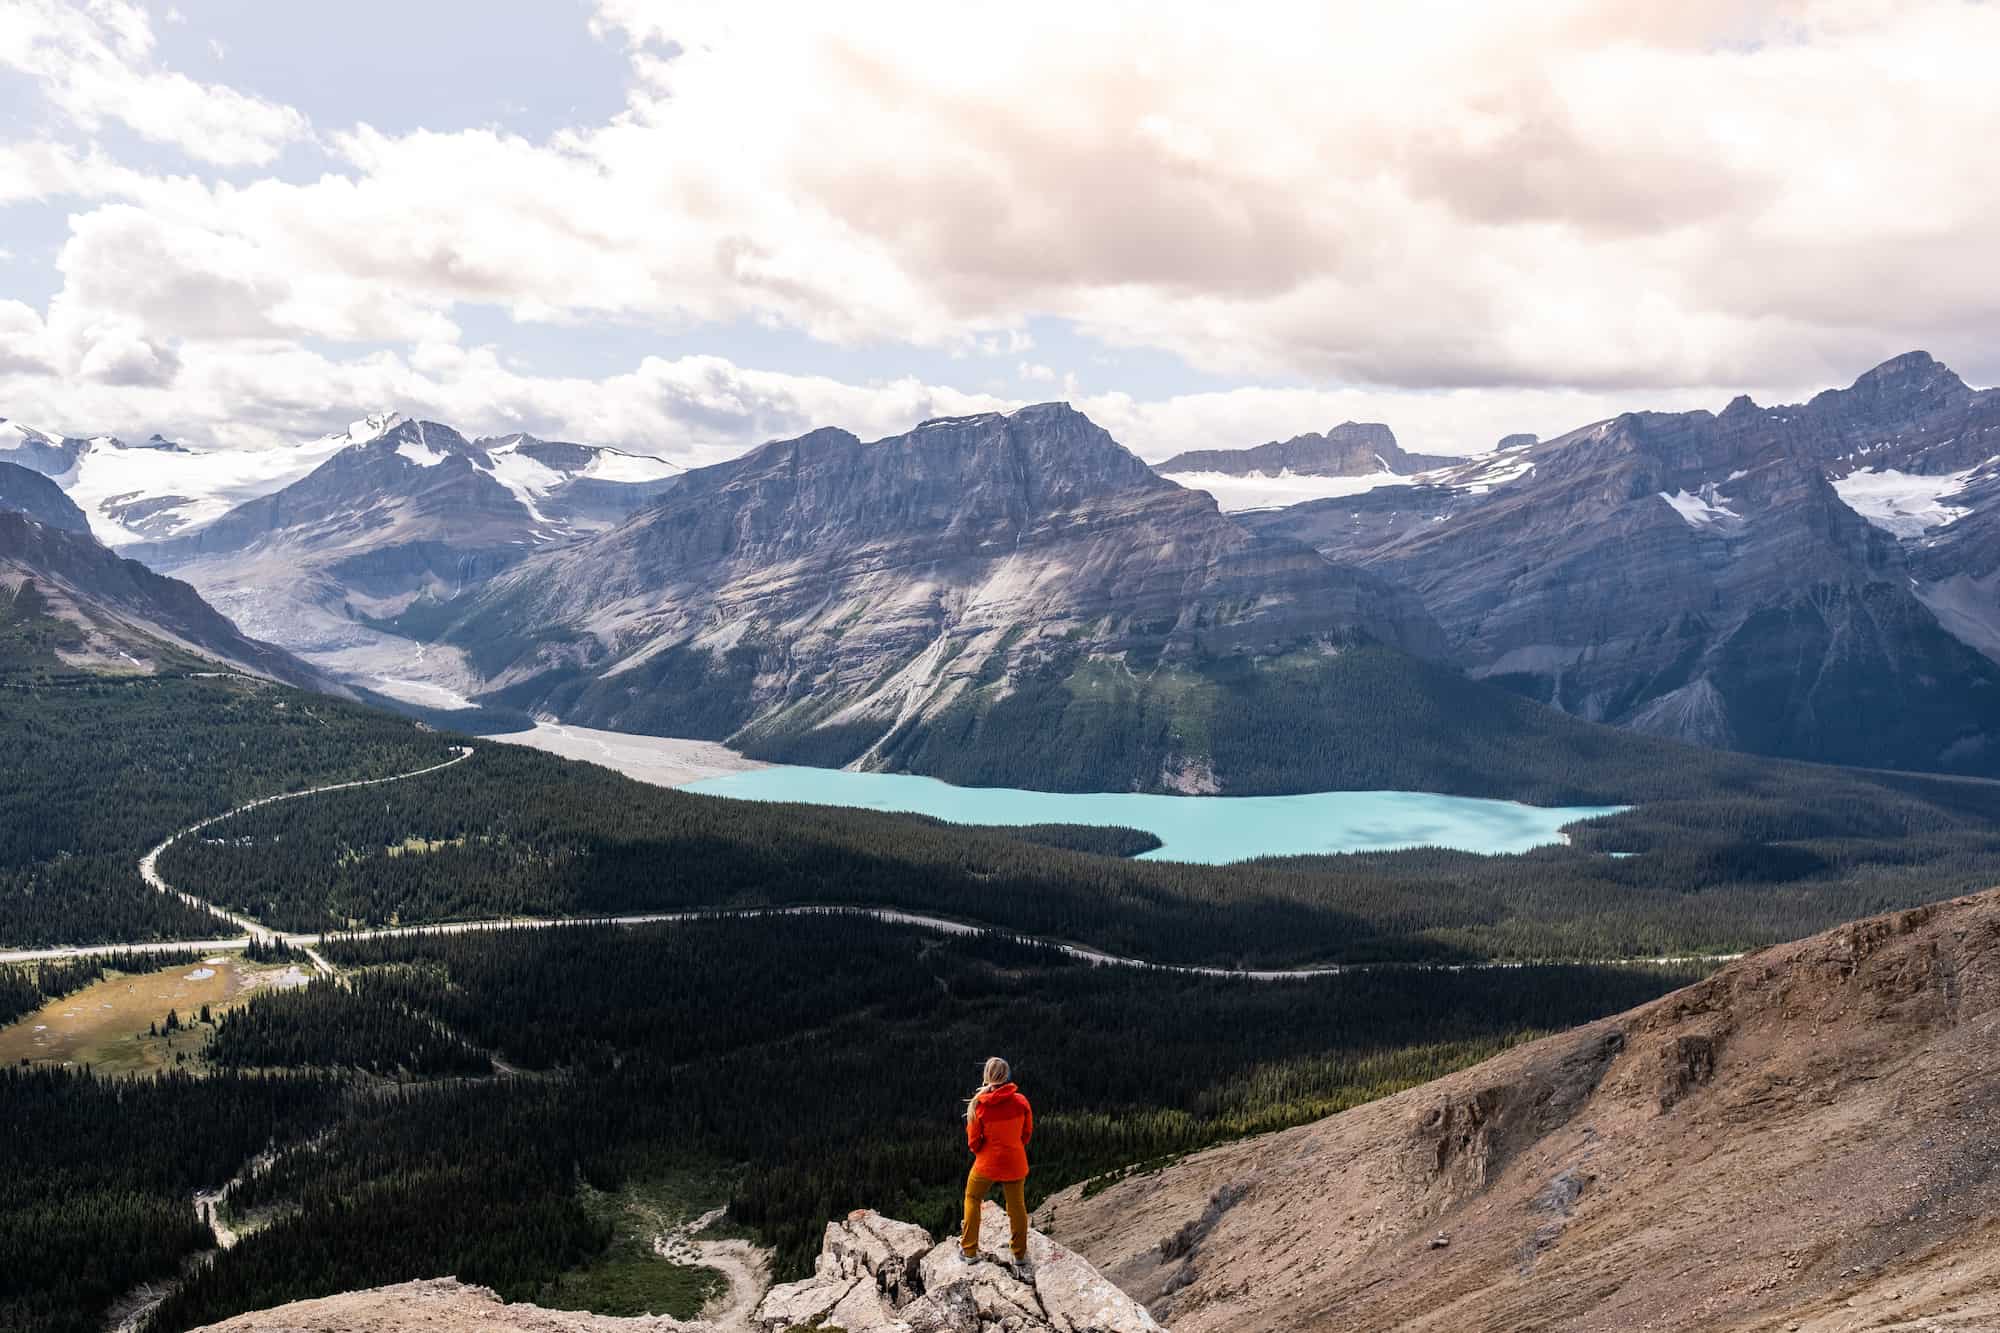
995, 1074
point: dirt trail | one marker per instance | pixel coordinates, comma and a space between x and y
745, 1268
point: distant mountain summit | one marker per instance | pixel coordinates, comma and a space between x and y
402, 515
1807, 580
1351, 449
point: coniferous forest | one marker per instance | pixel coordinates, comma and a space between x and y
817, 1063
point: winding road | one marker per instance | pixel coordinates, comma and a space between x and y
310, 942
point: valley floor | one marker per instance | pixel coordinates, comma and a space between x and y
664, 761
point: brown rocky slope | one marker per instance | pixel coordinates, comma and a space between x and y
1809, 1140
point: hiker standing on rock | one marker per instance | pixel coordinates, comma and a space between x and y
998, 1124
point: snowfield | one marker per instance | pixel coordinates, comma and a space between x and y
1902, 503
1262, 491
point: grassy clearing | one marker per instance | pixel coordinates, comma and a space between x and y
119, 1025
632, 1277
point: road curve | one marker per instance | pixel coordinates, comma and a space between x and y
149, 863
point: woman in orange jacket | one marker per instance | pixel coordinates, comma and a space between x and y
998, 1124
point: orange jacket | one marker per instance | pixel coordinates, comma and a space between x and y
1002, 1123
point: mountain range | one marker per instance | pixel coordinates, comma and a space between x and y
1351, 449
993, 597
1756, 579
1017, 598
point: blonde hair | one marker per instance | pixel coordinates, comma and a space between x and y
995, 1074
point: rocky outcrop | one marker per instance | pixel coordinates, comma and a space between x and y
1709, 577
875, 1275
1351, 449
1806, 1140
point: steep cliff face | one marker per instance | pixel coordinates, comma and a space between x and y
1351, 449
1805, 1140
826, 599
1705, 576
33, 494
117, 615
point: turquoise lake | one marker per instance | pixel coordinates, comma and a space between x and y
1207, 829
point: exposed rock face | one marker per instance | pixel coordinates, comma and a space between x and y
828, 600
875, 1275
126, 617
35, 495
1351, 449
1702, 577
1807, 1140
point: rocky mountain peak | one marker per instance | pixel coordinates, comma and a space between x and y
1912, 383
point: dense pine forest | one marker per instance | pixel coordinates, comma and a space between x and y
98, 769
1781, 851
817, 1064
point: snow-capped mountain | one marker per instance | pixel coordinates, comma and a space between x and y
148, 492
399, 515
1799, 580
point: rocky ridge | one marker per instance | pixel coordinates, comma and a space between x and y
121, 616
33, 494
1351, 449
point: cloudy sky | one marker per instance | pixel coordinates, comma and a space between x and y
688, 227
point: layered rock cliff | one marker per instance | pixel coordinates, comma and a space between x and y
833, 601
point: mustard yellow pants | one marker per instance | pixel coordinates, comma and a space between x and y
977, 1187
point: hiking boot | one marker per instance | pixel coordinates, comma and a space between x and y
1023, 1268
